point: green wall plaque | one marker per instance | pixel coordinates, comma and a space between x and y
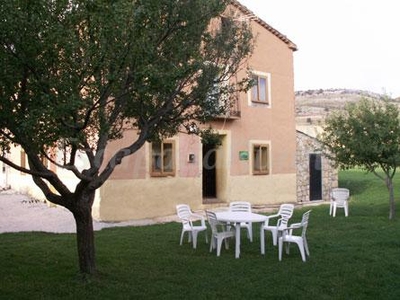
244, 155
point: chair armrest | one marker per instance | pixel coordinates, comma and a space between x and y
197, 217
294, 226
270, 217
188, 221
291, 227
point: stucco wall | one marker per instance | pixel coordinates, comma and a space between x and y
263, 190
141, 199
146, 198
23, 183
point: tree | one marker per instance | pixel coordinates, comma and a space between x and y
367, 135
76, 73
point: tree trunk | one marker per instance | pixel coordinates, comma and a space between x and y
85, 235
392, 206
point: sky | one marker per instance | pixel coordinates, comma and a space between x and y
353, 44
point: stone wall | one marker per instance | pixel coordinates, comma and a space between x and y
307, 145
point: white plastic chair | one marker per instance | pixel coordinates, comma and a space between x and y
189, 219
339, 199
284, 214
219, 232
243, 206
301, 240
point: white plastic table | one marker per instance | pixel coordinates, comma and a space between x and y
237, 218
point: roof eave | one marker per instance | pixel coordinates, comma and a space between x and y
264, 24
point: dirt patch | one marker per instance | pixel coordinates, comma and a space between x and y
19, 212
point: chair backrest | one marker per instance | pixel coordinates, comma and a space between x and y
240, 206
213, 221
304, 222
285, 212
340, 195
184, 212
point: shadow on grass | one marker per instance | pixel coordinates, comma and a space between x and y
357, 181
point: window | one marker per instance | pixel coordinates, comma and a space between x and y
260, 159
24, 164
44, 161
260, 92
162, 159
23, 161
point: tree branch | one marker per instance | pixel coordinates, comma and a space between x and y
69, 167
116, 159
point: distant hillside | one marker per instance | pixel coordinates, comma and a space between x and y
320, 102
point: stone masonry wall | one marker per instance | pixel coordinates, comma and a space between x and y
307, 145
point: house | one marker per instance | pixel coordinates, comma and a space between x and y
253, 158
316, 175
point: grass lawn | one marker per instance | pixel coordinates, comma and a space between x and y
351, 258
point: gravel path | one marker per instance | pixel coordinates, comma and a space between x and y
18, 212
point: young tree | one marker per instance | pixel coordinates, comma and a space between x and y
366, 134
76, 73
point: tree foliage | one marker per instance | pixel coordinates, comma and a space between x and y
76, 73
366, 134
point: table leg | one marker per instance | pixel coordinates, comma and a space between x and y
262, 238
237, 244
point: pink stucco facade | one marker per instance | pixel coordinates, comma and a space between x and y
133, 193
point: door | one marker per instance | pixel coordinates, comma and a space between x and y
209, 171
315, 177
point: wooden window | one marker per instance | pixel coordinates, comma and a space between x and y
260, 92
163, 159
23, 163
44, 161
260, 159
